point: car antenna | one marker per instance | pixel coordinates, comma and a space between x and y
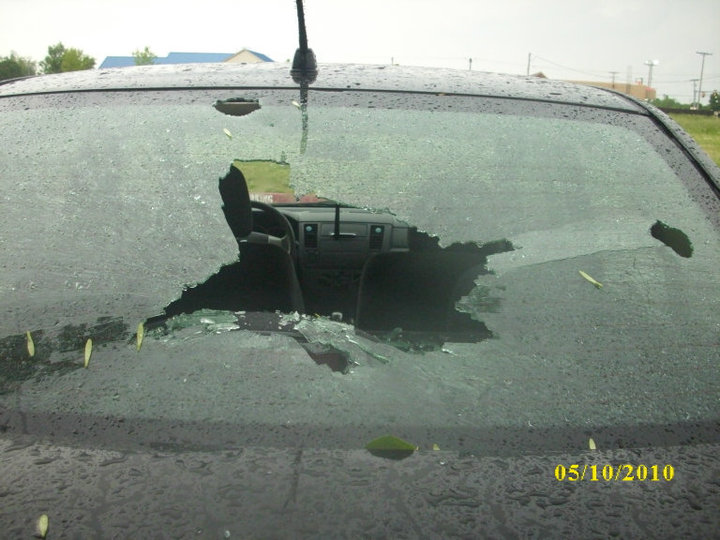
304, 67
304, 72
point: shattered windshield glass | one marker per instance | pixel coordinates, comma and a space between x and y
577, 249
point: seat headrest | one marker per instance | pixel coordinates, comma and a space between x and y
236, 202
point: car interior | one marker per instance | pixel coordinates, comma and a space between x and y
353, 265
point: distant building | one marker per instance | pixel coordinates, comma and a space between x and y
639, 91
245, 56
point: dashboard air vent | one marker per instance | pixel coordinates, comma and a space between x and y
376, 237
310, 235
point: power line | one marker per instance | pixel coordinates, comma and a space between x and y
684, 80
584, 72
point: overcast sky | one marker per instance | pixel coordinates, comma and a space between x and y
567, 39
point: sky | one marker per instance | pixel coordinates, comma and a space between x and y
565, 39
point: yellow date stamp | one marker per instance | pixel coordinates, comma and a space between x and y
624, 472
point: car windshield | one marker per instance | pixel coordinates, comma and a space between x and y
539, 267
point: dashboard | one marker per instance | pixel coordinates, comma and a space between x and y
374, 271
343, 237
333, 244
378, 273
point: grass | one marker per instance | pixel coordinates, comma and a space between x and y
266, 176
704, 129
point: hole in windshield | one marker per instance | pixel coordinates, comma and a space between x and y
675, 239
354, 266
237, 106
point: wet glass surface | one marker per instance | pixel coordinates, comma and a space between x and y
599, 309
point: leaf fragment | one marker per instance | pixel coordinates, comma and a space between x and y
390, 447
30, 344
88, 351
435, 447
140, 334
41, 526
389, 442
591, 444
295, 103
590, 279
226, 131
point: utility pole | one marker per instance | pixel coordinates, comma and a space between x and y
612, 74
527, 72
702, 68
470, 64
651, 64
694, 99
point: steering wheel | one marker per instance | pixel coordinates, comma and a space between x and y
286, 242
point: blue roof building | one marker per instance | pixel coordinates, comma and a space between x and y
244, 56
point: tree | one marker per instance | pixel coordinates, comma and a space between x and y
15, 66
669, 103
715, 101
145, 57
60, 59
75, 60
53, 60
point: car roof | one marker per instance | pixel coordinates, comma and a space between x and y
361, 77
390, 78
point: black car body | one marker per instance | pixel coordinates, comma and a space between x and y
519, 277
